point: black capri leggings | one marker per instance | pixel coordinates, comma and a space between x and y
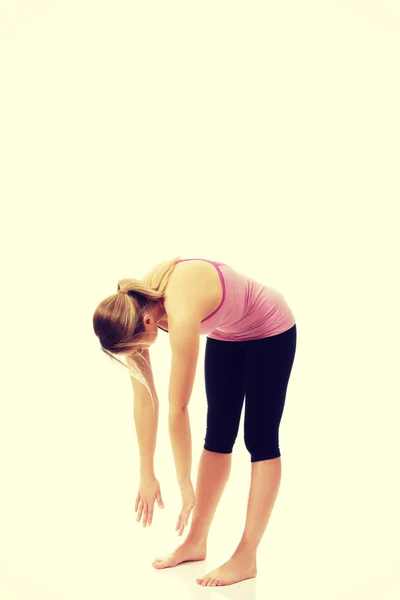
258, 369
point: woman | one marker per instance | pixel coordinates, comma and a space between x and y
250, 348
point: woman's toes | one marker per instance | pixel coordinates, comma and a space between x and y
160, 564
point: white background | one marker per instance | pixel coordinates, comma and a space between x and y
263, 135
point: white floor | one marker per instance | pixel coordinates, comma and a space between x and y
78, 547
309, 577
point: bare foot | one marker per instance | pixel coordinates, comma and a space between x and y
234, 570
185, 552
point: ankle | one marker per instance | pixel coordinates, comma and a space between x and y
196, 539
246, 551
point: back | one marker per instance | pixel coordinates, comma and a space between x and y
249, 309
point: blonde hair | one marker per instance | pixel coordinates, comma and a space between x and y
118, 319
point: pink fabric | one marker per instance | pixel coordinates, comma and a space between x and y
249, 310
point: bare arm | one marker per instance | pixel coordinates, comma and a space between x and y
185, 342
145, 416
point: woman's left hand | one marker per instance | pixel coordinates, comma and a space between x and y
188, 502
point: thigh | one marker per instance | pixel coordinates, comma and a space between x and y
269, 363
224, 382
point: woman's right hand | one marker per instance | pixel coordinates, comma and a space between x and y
149, 491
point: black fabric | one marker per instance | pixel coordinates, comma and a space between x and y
255, 370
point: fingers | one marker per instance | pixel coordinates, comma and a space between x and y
179, 522
182, 521
139, 515
150, 516
182, 527
159, 500
145, 511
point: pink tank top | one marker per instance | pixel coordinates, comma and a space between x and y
249, 310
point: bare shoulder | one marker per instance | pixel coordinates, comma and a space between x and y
194, 289
191, 270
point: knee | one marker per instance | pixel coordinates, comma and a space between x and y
217, 449
219, 441
265, 455
262, 447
